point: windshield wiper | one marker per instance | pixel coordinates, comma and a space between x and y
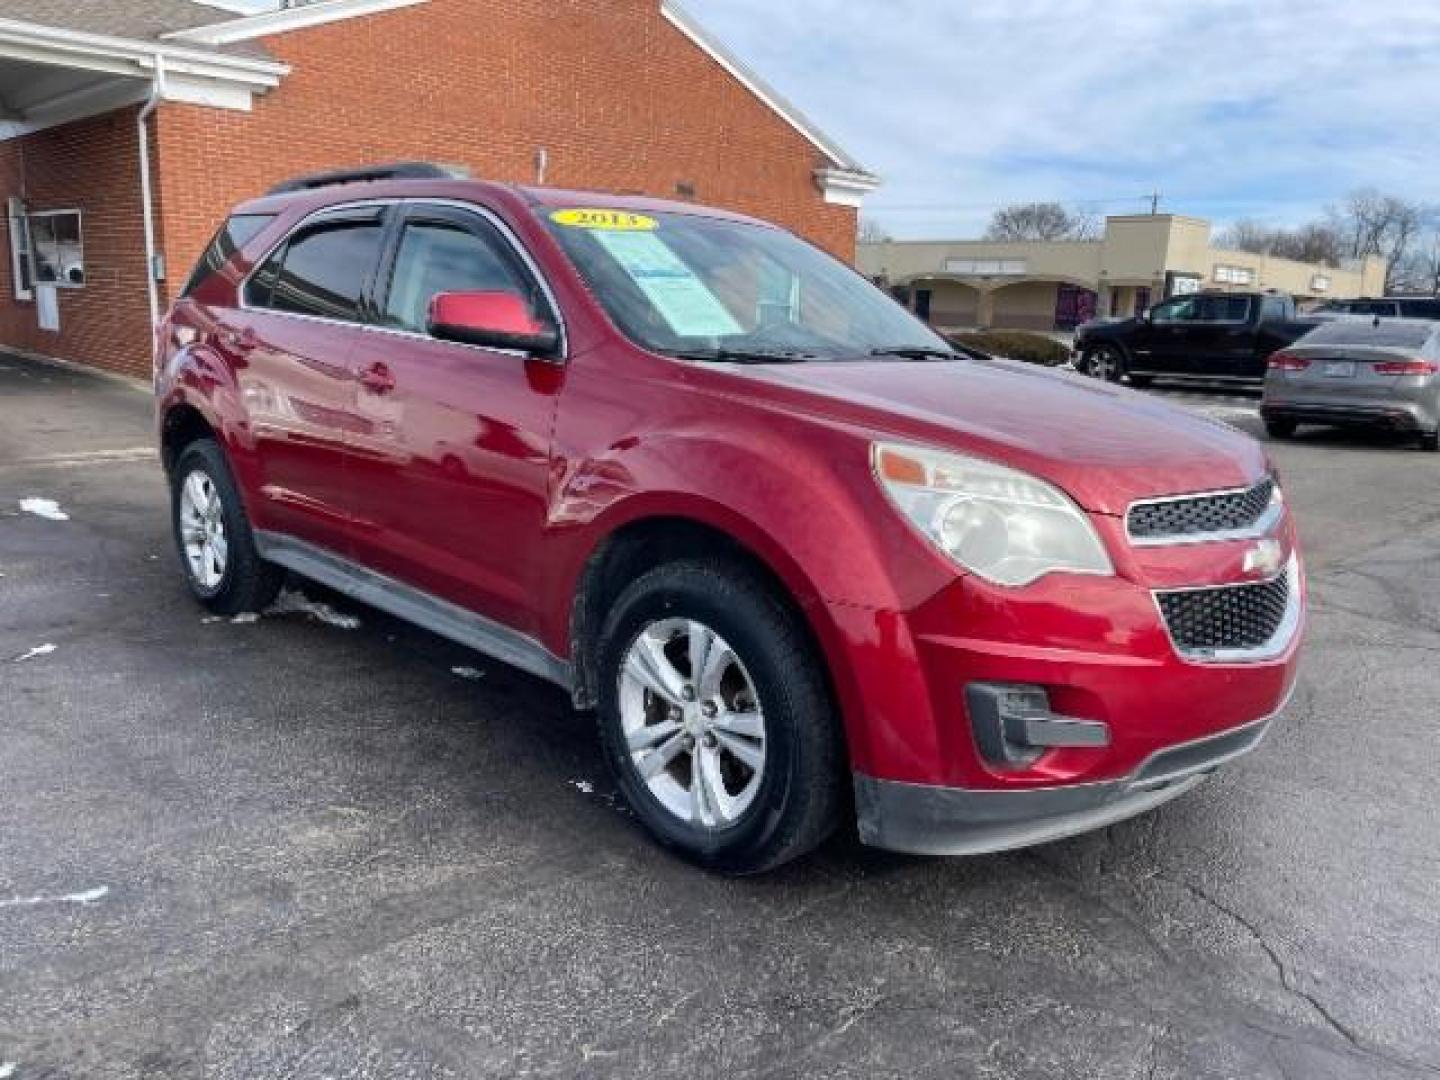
915, 352
746, 356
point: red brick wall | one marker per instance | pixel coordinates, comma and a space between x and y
619, 98
92, 166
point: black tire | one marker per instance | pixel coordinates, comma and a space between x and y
1430, 441
801, 794
248, 583
1106, 363
1280, 429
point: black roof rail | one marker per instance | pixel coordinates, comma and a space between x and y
400, 170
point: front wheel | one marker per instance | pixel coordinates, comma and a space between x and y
1430, 441
1105, 363
717, 720
212, 534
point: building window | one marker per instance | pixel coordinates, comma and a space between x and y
1234, 275
57, 252
19, 229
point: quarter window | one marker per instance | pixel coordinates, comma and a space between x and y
320, 271
439, 256
233, 235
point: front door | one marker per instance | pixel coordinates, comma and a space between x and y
1166, 338
452, 462
290, 347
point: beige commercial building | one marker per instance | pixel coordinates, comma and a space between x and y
1055, 285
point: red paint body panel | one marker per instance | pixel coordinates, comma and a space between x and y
489, 480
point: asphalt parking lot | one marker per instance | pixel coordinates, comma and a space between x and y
325, 844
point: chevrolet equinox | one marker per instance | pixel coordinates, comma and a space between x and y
807, 563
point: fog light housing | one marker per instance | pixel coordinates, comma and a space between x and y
1014, 726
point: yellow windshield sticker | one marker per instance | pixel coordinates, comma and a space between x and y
605, 220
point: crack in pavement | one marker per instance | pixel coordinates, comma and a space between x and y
1287, 980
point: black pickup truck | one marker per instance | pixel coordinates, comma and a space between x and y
1209, 336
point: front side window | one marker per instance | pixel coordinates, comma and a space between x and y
1180, 310
321, 271
688, 284
444, 256
57, 250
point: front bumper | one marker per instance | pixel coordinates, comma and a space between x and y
925, 820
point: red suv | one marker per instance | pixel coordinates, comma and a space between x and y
803, 559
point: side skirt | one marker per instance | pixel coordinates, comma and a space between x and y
421, 608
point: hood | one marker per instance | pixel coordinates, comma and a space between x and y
1103, 444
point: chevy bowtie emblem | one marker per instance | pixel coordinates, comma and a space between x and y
1266, 557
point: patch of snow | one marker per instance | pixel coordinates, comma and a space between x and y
45, 508
245, 618
468, 673
39, 650
7, 1068
291, 602
585, 787
84, 899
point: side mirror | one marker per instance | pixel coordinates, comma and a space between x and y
492, 320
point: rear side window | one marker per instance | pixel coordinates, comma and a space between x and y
1420, 309
321, 271
1221, 308
1392, 334
238, 231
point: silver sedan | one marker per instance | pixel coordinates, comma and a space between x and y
1358, 371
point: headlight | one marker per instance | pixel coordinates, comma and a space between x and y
1006, 526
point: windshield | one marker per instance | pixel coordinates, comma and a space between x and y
708, 288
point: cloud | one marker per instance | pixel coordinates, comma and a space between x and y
1228, 107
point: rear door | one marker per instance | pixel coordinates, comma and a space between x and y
452, 465
290, 345
1222, 337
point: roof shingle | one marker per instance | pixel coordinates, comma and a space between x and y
142, 20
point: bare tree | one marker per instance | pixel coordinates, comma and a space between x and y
1247, 235
1371, 223
1039, 221
872, 232
1317, 242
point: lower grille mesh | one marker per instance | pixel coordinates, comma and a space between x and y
1231, 617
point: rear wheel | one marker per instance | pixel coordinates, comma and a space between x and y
213, 537
1280, 429
1430, 441
716, 718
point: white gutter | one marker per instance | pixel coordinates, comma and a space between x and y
147, 197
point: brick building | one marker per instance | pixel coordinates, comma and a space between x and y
626, 96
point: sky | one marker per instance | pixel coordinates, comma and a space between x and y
1263, 109
1266, 109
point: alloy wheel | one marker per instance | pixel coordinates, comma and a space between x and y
202, 531
692, 722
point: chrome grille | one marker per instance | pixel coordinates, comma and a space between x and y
1239, 618
1200, 515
